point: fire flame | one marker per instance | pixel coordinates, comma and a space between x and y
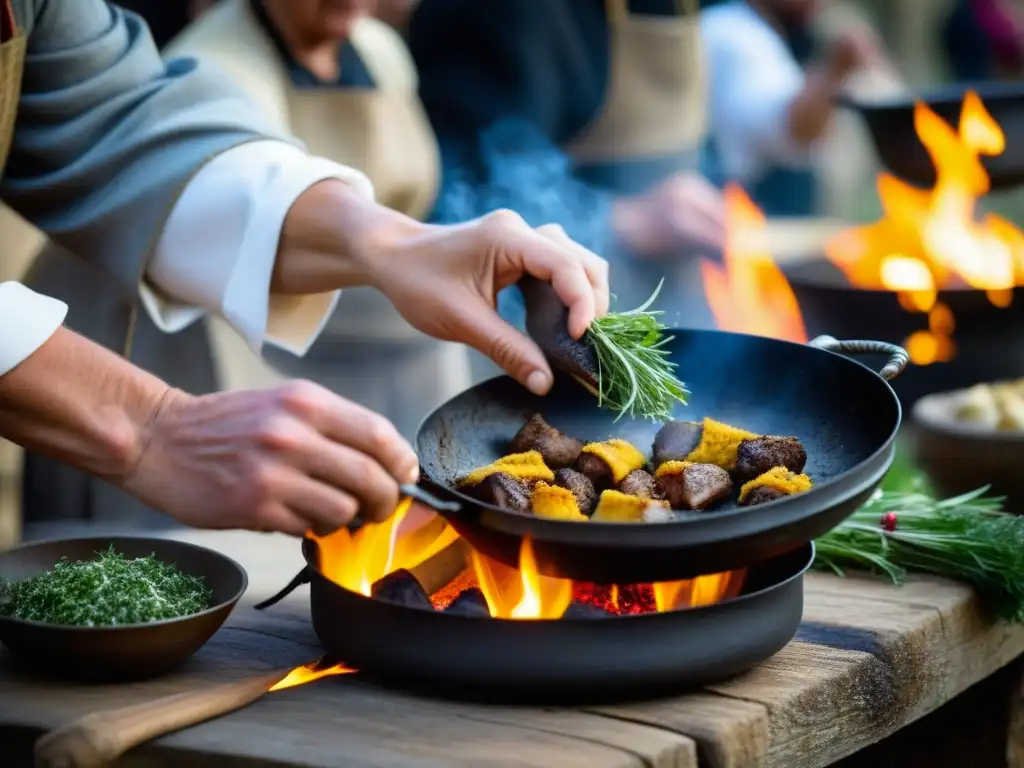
748, 293
357, 560
928, 240
309, 673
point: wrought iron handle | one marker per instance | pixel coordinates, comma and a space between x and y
427, 499
898, 357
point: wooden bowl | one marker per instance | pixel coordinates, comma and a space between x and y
959, 457
121, 653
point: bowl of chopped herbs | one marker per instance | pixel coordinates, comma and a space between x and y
113, 608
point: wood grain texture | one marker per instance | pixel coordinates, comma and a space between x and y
869, 659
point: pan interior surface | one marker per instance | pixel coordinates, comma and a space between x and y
840, 410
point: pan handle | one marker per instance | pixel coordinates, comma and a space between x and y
428, 499
898, 357
302, 577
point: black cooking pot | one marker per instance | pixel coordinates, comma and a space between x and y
891, 124
845, 414
987, 337
567, 660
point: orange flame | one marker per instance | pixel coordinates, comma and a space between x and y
309, 673
357, 560
748, 293
928, 240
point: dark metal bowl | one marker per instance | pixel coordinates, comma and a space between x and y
987, 337
891, 124
564, 660
959, 458
130, 652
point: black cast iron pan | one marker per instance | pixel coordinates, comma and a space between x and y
564, 660
891, 124
845, 414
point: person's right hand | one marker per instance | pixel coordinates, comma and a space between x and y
856, 47
293, 459
684, 211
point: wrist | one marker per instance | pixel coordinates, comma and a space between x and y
333, 238
632, 226
78, 402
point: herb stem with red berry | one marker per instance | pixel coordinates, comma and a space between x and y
969, 538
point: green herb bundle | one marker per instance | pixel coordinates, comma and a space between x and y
109, 591
968, 538
635, 374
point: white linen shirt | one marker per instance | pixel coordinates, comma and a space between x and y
753, 81
215, 255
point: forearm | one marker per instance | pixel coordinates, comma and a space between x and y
810, 112
77, 402
328, 236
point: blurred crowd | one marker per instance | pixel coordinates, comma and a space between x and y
620, 120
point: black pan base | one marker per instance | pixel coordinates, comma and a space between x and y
563, 661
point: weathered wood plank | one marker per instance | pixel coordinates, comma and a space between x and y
869, 659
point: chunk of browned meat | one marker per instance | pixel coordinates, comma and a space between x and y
558, 449
755, 457
675, 441
503, 490
639, 482
596, 470
761, 495
580, 486
698, 486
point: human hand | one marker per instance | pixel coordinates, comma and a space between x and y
292, 459
855, 47
684, 211
445, 281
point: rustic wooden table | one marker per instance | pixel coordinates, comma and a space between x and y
869, 659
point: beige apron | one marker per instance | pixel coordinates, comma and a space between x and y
655, 103
368, 353
651, 125
12, 59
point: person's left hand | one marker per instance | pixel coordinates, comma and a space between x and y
684, 211
444, 280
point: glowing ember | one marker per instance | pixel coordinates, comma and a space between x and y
356, 561
928, 240
310, 673
748, 293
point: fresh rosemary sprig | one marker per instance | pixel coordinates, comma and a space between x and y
968, 538
109, 591
635, 374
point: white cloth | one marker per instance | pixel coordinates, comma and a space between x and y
218, 248
753, 81
216, 254
27, 320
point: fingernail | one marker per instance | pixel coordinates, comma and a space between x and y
538, 382
414, 475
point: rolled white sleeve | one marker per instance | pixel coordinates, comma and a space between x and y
27, 320
754, 80
217, 251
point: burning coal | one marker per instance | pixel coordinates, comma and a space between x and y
414, 566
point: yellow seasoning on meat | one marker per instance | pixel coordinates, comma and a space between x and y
618, 507
779, 479
719, 444
525, 466
555, 503
621, 456
672, 468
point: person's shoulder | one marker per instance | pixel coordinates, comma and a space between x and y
736, 26
385, 53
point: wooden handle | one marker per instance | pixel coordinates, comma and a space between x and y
102, 737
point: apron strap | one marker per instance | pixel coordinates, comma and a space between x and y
619, 9
8, 27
